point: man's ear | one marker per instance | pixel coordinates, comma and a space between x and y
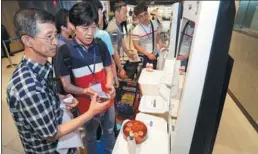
73, 27
27, 41
64, 28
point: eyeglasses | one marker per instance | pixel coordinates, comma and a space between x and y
142, 15
50, 39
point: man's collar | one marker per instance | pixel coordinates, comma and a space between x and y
42, 70
148, 25
61, 37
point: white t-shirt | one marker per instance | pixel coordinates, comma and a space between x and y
187, 40
143, 34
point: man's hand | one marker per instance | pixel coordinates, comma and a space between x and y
95, 107
111, 90
151, 56
89, 91
71, 105
181, 58
122, 73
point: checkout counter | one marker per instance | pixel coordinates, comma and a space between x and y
154, 110
182, 111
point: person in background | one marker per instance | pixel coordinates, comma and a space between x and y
5, 36
104, 36
114, 30
155, 16
105, 21
64, 34
34, 105
91, 67
142, 36
63, 26
185, 47
110, 15
130, 13
124, 24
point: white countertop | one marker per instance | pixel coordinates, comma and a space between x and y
156, 134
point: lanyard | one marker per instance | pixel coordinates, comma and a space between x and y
94, 59
146, 31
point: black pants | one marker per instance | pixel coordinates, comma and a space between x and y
147, 60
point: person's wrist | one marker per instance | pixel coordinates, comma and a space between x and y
89, 114
85, 90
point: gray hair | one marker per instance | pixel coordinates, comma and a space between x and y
26, 20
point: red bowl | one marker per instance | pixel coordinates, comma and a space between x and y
138, 128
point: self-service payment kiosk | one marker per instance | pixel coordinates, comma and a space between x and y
188, 107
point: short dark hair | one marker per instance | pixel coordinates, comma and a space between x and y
61, 19
118, 5
142, 7
26, 20
83, 13
97, 4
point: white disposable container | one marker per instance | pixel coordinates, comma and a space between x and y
149, 82
153, 104
131, 145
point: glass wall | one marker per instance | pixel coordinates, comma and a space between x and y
247, 15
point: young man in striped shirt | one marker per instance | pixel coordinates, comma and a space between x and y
91, 68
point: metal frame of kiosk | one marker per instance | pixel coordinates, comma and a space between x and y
174, 29
207, 77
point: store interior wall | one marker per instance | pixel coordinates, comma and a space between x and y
243, 82
243, 49
7, 21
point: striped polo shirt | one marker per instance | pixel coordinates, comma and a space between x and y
143, 34
83, 63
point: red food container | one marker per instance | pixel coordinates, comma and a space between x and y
138, 128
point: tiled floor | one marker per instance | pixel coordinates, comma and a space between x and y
235, 135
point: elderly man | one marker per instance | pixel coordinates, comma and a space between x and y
34, 105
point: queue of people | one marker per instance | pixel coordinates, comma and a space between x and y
85, 54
